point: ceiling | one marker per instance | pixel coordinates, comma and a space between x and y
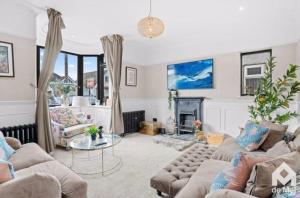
194, 28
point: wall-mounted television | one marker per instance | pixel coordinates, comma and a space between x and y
191, 75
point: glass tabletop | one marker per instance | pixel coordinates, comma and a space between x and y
84, 142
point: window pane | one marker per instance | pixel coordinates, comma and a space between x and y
90, 69
64, 77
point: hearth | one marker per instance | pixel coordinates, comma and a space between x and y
187, 109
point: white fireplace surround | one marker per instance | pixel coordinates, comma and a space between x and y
219, 115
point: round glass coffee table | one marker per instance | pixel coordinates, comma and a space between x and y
85, 144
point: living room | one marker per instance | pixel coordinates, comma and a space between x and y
148, 98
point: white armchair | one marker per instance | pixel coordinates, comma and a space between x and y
66, 124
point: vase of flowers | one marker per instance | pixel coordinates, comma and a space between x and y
92, 131
197, 128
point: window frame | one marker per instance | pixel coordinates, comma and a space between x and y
242, 67
80, 68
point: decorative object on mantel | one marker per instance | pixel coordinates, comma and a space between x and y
200, 135
131, 77
6, 60
150, 26
199, 75
272, 96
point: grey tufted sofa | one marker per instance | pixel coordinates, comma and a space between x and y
175, 176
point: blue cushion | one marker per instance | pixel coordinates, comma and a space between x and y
252, 136
6, 151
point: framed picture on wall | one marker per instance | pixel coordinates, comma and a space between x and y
131, 76
6, 59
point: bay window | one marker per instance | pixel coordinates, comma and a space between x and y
82, 75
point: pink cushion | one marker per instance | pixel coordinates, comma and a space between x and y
6, 171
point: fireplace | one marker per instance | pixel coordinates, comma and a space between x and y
187, 109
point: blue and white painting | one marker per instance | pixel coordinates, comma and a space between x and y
191, 75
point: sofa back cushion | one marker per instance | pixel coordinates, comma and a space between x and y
276, 134
252, 136
236, 177
280, 148
6, 171
63, 116
260, 182
6, 151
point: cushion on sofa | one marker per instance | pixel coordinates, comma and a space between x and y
28, 155
276, 134
260, 182
72, 185
6, 151
280, 148
227, 150
236, 177
6, 171
252, 136
200, 182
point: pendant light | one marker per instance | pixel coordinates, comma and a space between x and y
150, 26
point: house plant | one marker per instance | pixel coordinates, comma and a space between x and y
63, 90
92, 131
272, 96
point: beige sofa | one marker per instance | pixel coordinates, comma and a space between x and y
181, 182
39, 175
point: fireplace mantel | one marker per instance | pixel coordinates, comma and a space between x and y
187, 109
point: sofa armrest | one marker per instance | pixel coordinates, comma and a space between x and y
13, 142
33, 186
57, 125
228, 194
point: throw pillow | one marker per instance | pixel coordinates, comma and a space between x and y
260, 182
276, 134
280, 148
236, 177
6, 151
6, 171
252, 136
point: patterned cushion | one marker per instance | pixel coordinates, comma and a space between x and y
6, 151
6, 171
252, 136
236, 177
63, 116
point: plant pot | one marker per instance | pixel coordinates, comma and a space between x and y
93, 137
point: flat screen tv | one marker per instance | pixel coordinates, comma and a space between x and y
191, 75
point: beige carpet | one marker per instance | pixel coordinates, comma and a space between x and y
141, 159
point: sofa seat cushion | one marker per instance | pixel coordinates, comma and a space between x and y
175, 176
72, 185
28, 155
199, 184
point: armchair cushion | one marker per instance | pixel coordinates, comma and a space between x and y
35, 185
13, 142
63, 116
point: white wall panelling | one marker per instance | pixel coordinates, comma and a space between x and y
13, 113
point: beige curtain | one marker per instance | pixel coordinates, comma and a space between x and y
52, 48
113, 49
